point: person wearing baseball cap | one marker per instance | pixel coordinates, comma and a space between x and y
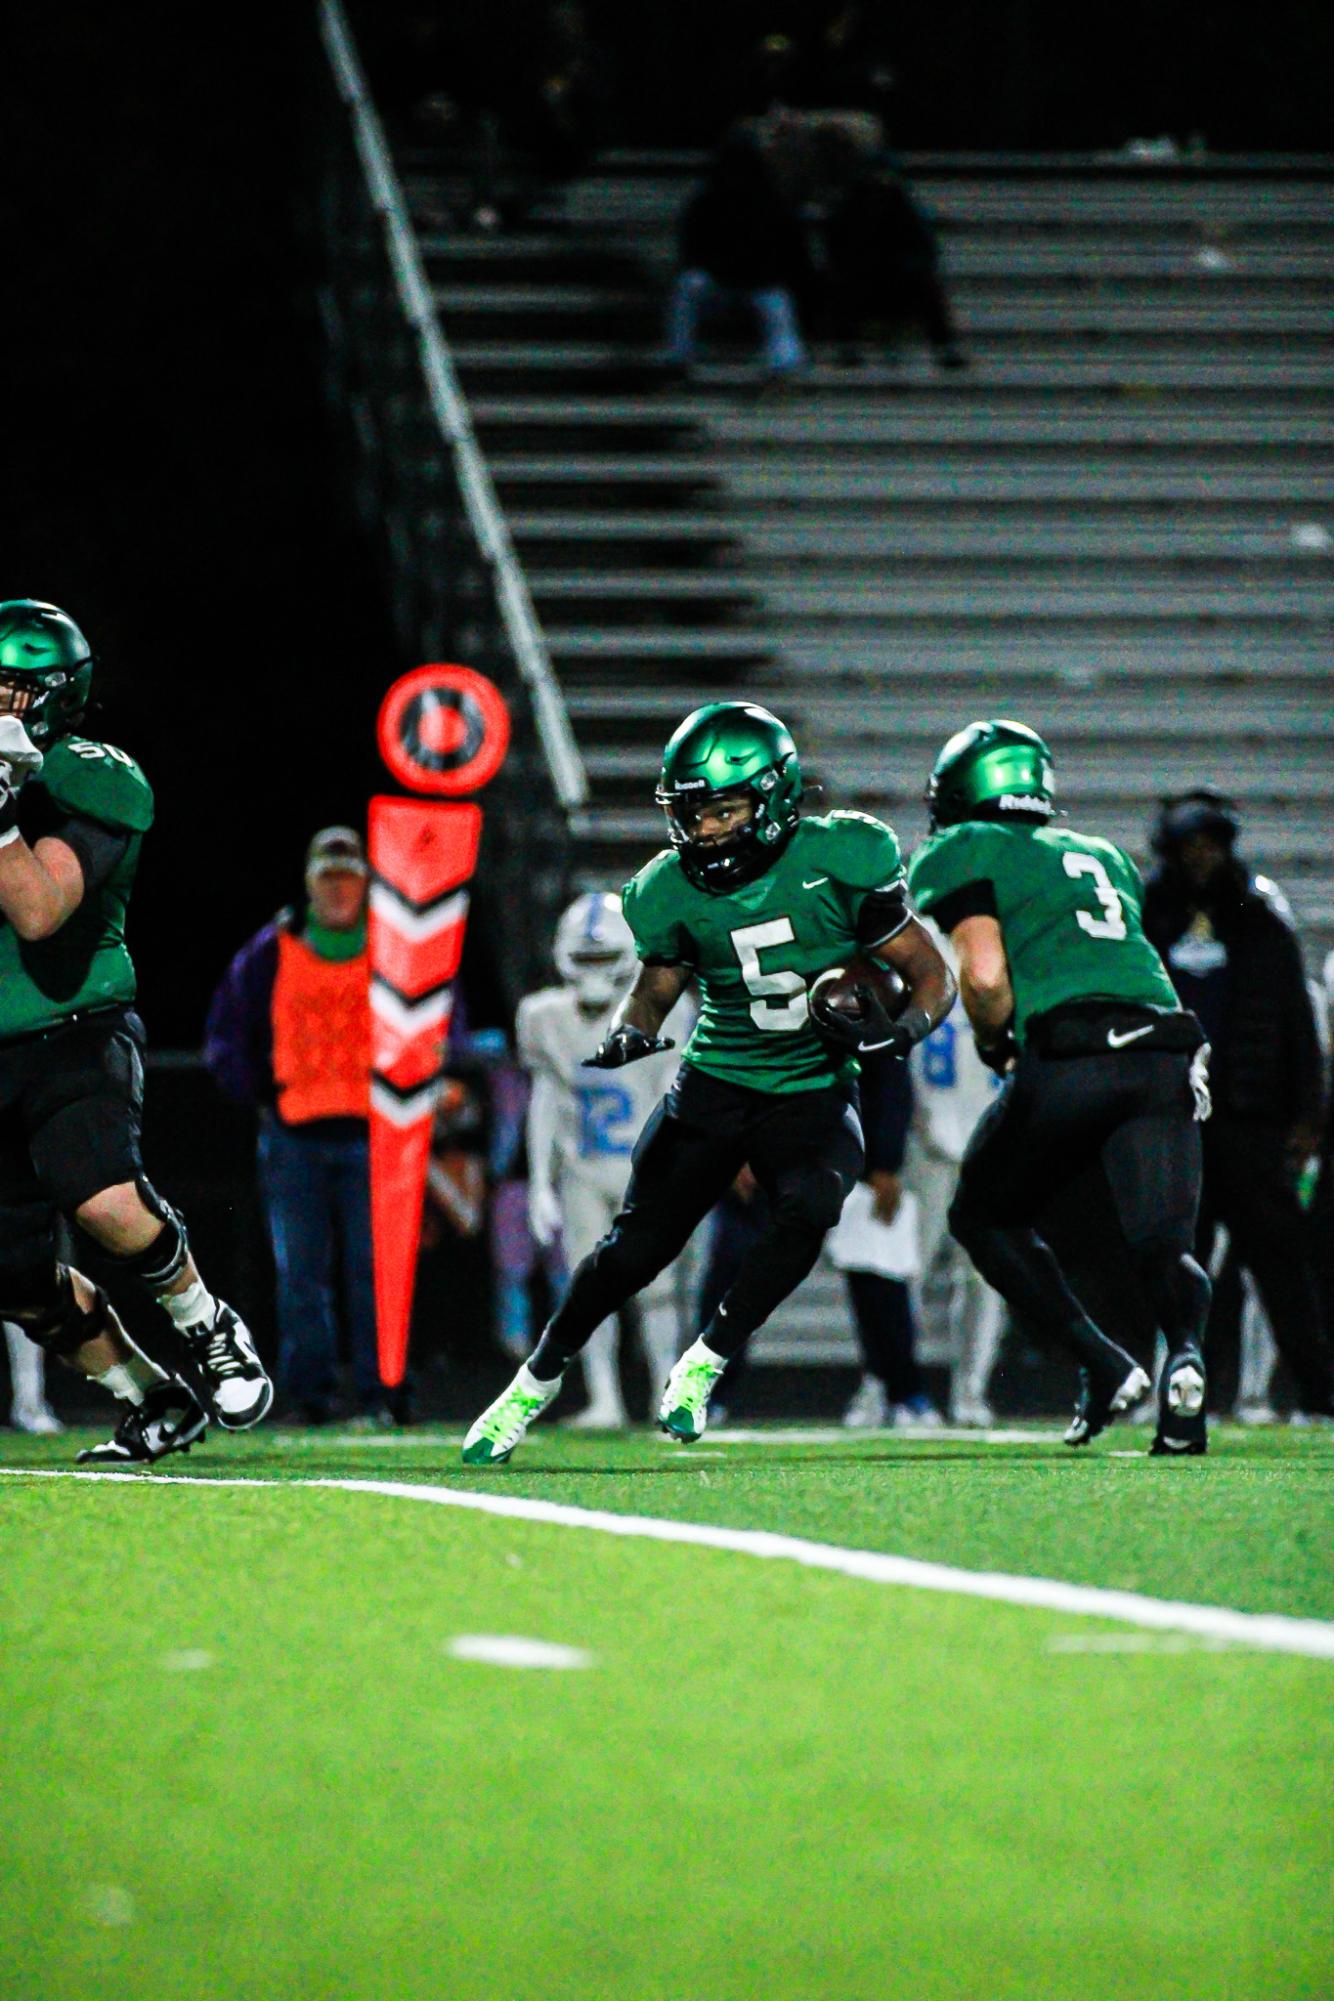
289, 1035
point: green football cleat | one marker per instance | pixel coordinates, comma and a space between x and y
684, 1410
502, 1424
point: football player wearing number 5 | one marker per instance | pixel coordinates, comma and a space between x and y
582, 1127
1073, 1006
754, 902
73, 815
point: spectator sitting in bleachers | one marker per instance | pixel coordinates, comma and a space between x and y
883, 261
741, 245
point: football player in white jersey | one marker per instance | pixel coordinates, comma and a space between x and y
951, 1090
583, 1124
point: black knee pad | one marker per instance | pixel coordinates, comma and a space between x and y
58, 1323
814, 1202
628, 1259
162, 1263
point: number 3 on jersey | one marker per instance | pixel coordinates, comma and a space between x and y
1113, 923
781, 1004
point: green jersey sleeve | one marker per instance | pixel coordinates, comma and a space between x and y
862, 857
863, 853
653, 905
99, 782
952, 874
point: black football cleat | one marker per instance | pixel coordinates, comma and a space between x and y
1182, 1425
1099, 1403
168, 1420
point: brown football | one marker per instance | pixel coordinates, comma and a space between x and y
837, 988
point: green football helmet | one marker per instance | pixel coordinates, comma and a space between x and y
992, 771
46, 669
729, 748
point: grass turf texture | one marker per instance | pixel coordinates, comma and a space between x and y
772, 1782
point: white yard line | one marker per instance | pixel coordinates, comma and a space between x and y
910, 1434
1273, 1632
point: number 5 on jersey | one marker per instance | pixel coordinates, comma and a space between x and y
781, 1004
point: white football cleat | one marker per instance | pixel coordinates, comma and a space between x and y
236, 1389
505, 1422
869, 1409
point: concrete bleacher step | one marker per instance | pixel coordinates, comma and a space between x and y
997, 595
498, 366
605, 688
1118, 522
811, 426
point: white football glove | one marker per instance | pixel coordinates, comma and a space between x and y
20, 758
1199, 1083
544, 1218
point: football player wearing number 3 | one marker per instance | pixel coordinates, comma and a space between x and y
73, 815
1073, 1006
754, 902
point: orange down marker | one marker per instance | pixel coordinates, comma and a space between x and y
443, 730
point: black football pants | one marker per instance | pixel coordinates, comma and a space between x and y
1131, 1109
1249, 1187
805, 1150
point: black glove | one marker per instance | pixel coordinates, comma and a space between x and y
871, 1031
998, 1056
626, 1045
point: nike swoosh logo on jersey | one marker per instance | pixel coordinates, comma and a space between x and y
815, 882
1115, 1041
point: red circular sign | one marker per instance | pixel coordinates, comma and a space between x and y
443, 729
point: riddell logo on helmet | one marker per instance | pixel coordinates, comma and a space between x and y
1023, 802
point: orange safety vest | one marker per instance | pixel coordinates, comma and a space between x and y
321, 1034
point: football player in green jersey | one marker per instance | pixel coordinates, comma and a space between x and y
1073, 1006
754, 902
73, 814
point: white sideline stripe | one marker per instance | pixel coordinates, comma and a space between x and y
1274, 1632
835, 1434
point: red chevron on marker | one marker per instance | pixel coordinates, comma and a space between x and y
418, 949
421, 854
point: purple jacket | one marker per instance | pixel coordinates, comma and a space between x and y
238, 1037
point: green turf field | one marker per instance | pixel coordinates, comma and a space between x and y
241, 1761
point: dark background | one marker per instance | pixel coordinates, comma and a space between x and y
172, 477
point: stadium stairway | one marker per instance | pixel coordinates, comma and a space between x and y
1118, 524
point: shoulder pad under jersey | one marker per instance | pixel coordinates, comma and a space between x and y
100, 782
857, 849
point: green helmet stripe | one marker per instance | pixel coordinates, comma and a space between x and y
989, 770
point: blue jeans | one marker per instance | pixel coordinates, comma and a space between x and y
317, 1195
694, 294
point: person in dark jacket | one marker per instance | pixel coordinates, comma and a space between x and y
289, 1035
740, 242
1230, 946
883, 264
